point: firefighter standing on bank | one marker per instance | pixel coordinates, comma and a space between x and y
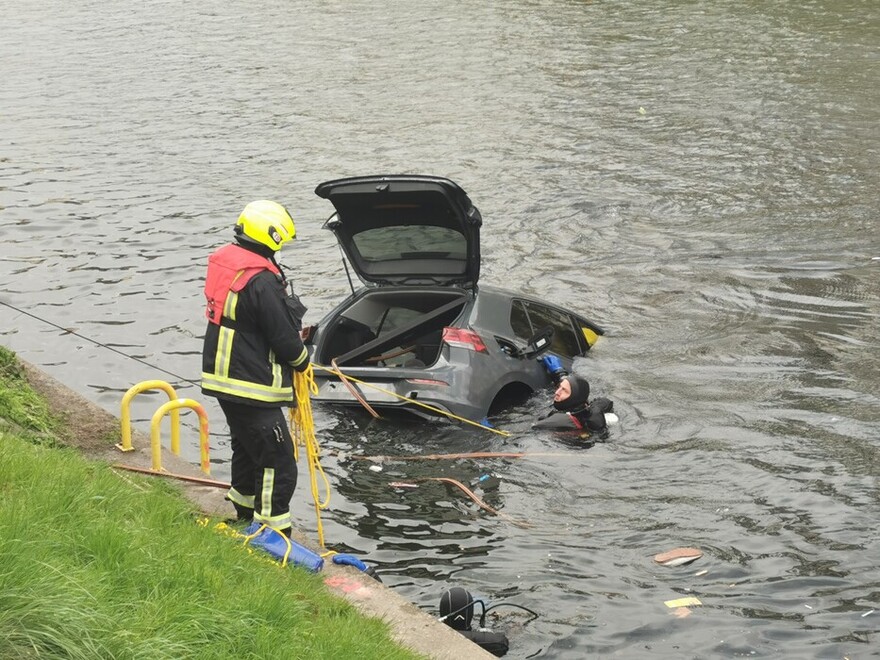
252, 344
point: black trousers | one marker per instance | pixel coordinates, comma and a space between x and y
264, 470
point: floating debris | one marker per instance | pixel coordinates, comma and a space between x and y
402, 484
682, 602
678, 556
375, 468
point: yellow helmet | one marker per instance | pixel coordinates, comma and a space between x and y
267, 223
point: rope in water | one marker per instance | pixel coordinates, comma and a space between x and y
467, 491
444, 457
353, 390
343, 377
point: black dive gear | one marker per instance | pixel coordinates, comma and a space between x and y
575, 414
580, 392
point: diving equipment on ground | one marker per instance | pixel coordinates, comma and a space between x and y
457, 612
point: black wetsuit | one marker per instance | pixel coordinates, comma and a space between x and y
590, 418
576, 412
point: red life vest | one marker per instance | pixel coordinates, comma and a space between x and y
229, 269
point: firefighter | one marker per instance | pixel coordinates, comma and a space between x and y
251, 347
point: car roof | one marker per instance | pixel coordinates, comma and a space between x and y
406, 229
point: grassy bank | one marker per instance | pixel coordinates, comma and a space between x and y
100, 564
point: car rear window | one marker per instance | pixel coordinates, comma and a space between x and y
410, 242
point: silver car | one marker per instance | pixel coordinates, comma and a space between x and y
420, 335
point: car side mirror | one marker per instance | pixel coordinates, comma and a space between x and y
539, 343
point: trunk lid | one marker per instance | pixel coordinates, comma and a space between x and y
406, 229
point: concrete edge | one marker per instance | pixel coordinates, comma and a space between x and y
410, 626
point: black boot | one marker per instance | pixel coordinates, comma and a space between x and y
243, 514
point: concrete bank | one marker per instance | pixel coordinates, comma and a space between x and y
95, 433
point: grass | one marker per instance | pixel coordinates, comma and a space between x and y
21, 408
96, 563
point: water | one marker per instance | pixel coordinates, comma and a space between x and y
699, 178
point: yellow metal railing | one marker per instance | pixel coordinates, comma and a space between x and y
172, 406
126, 445
156, 442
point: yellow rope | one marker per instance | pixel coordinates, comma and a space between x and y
302, 427
339, 374
250, 537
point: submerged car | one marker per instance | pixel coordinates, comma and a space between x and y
421, 335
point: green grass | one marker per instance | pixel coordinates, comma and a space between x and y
21, 408
96, 563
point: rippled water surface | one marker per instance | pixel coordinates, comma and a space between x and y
699, 178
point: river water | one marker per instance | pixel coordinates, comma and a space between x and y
700, 178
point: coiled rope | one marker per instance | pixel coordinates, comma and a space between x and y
302, 427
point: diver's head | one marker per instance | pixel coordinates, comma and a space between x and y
457, 608
572, 394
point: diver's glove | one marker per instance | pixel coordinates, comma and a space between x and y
554, 367
351, 560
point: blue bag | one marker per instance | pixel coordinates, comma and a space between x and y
285, 550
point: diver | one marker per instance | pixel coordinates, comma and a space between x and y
572, 409
457, 612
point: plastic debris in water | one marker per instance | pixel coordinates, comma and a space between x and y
375, 468
678, 556
487, 482
682, 602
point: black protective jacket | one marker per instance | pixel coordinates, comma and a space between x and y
250, 356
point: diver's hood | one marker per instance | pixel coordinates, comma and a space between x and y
580, 392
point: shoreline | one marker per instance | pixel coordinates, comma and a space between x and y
95, 431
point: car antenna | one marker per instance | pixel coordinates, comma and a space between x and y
345, 265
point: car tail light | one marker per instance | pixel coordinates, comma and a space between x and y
463, 338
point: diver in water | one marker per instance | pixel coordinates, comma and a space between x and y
573, 410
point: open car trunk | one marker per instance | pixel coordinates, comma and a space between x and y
391, 328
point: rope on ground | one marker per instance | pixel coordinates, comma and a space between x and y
170, 475
338, 373
302, 427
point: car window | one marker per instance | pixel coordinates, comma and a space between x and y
397, 317
410, 242
527, 318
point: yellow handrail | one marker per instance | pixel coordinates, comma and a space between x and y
156, 442
125, 445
